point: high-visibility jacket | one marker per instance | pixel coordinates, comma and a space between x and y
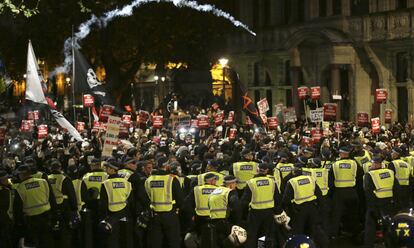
363, 159
159, 190
118, 191
263, 189
94, 180
77, 185
34, 193
191, 177
277, 178
327, 164
345, 171
303, 188
410, 161
321, 176
219, 182
201, 194
38, 174
383, 181
285, 169
367, 166
244, 171
218, 203
56, 182
402, 172
125, 173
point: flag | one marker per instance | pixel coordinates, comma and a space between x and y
249, 107
34, 93
95, 114
86, 81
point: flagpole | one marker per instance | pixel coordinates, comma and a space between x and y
73, 78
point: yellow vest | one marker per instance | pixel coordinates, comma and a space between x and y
218, 202
367, 166
34, 193
321, 176
56, 182
244, 171
191, 177
384, 181
276, 177
327, 164
412, 153
219, 182
285, 169
263, 189
201, 194
303, 188
37, 175
118, 191
94, 180
159, 190
125, 173
224, 172
410, 161
345, 173
402, 172
363, 159
77, 185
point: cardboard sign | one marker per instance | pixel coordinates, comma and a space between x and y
157, 121
338, 127
303, 92
2, 135
80, 126
263, 105
126, 119
388, 115
329, 111
272, 122
290, 115
232, 133
316, 135
111, 135
218, 119
375, 122
315, 92
316, 115
362, 119
42, 132
88, 100
325, 127
230, 118
381, 95
106, 111
248, 122
203, 121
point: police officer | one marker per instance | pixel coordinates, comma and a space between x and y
165, 196
379, 185
31, 162
263, 200
212, 168
67, 206
34, 204
402, 172
225, 211
5, 210
284, 168
115, 198
197, 203
360, 155
244, 170
129, 168
344, 177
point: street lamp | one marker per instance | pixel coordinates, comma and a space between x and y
68, 81
223, 62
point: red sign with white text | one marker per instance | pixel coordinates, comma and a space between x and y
388, 115
316, 135
203, 121
230, 118
88, 100
106, 111
126, 119
362, 119
272, 122
142, 117
42, 132
303, 92
218, 119
232, 133
338, 127
316, 92
157, 121
375, 122
381, 95
329, 111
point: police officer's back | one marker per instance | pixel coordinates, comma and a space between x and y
402, 171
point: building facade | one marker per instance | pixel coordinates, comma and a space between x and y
348, 47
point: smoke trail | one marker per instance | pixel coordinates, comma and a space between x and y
85, 28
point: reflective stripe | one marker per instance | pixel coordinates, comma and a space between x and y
345, 173
117, 197
201, 195
56, 182
263, 189
304, 189
218, 203
383, 180
244, 171
160, 194
77, 184
34, 193
402, 172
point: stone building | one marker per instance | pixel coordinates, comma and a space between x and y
348, 47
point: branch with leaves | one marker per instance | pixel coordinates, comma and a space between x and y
19, 8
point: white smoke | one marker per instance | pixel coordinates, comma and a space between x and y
85, 28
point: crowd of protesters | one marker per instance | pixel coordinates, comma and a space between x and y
81, 210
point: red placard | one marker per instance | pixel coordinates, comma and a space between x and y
232, 133
375, 122
157, 121
264, 118
36, 115
303, 92
388, 115
203, 121
27, 125
338, 127
316, 92
2, 135
381, 95
96, 126
80, 126
306, 141
248, 122
194, 123
263, 106
142, 117
362, 119
329, 112
123, 130
316, 134
230, 118
88, 100
218, 119
126, 119
272, 122
42, 132
106, 111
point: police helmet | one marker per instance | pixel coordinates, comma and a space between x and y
299, 241
402, 229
